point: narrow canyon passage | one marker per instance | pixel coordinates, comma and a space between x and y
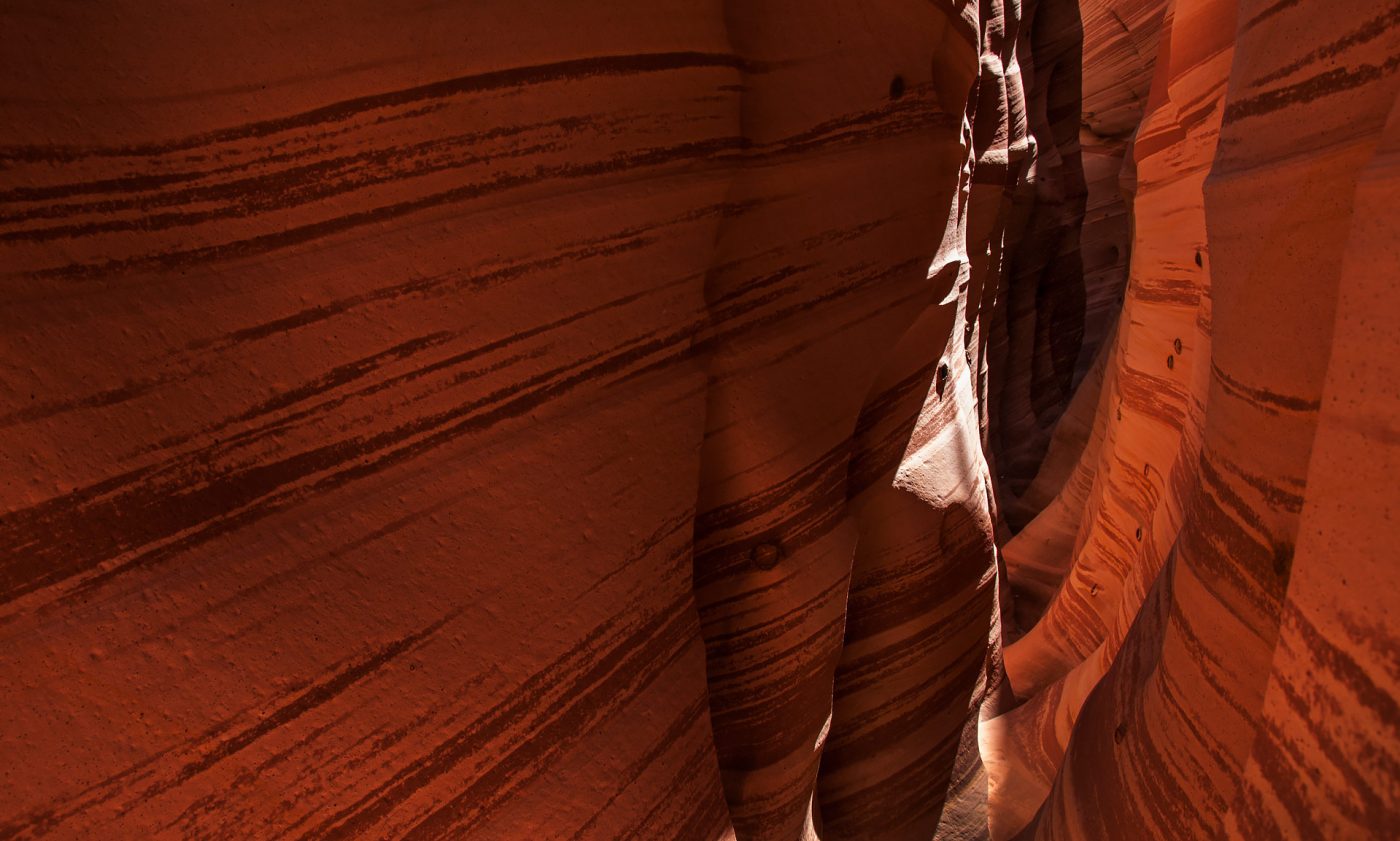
911, 420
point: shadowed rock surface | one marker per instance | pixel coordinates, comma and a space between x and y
758, 420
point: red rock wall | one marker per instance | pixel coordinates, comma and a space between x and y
426, 422
812, 573
1121, 39
675, 420
1043, 330
1071, 236
1191, 677
1129, 488
1323, 757
335, 340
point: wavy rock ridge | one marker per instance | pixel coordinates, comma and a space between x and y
757, 420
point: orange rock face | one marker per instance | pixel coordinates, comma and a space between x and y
755, 420
1186, 679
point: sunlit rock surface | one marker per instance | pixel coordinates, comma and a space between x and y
757, 420
1196, 673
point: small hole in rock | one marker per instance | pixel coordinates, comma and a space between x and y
1138, 534
896, 87
1199, 262
941, 382
1120, 732
1171, 362
1176, 345
765, 555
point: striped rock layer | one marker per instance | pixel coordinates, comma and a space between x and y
428, 422
548, 420
1115, 65
1211, 657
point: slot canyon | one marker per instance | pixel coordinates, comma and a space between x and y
903, 420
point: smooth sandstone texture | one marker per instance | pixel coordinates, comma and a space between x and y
428, 423
1313, 772
739, 419
336, 340
828, 326
1044, 296
1142, 461
1224, 709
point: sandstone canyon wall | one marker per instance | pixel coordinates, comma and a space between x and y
728, 419
1175, 611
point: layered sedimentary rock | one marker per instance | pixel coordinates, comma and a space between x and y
429, 423
653, 420
1120, 43
1042, 327
1177, 623
818, 583
1323, 759
1071, 236
334, 340
1126, 495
